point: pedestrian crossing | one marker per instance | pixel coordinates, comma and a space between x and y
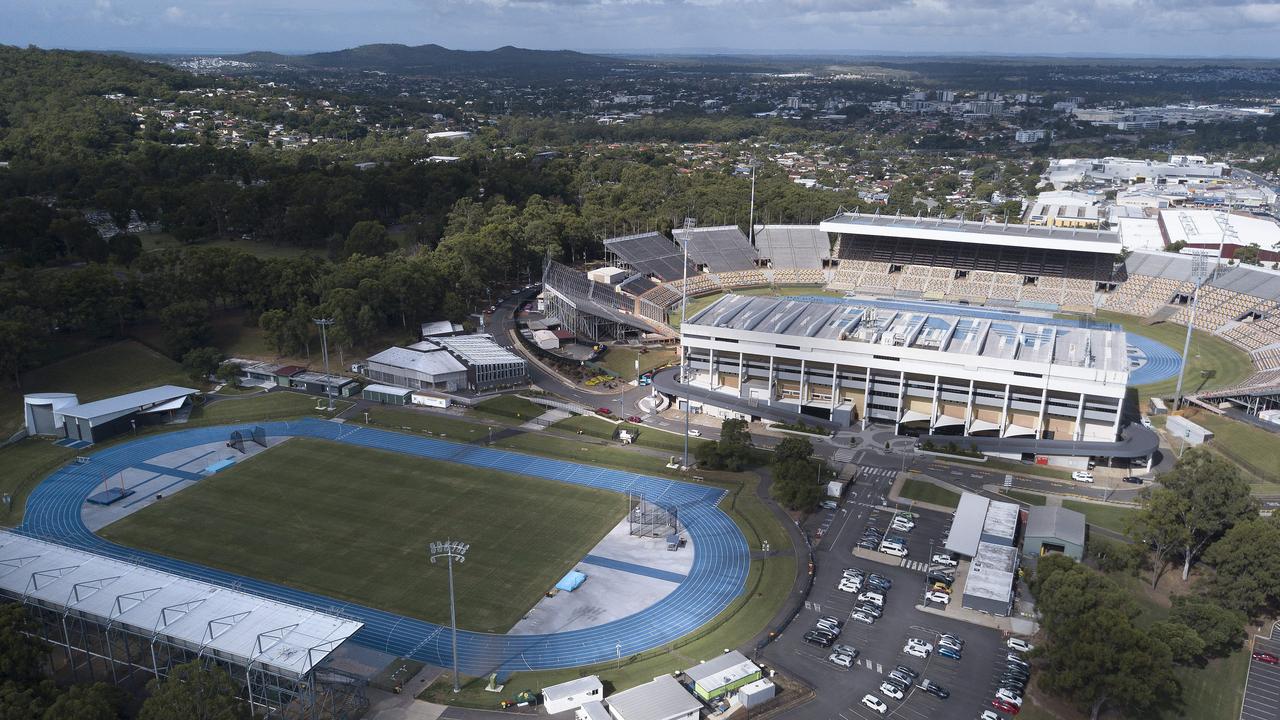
915, 565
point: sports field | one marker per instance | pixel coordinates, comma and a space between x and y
1224, 363
354, 523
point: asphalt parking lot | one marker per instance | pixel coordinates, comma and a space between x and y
1262, 690
971, 681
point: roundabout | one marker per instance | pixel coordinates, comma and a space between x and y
715, 578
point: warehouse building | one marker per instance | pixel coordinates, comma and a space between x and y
722, 675
924, 368
387, 394
1054, 530
662, 699
985, 531
62, 414
489, 365
430, 369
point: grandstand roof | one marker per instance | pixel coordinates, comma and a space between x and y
1004, 336
974, 232
1259, 282
722, 248
1161, 264
794, 246
227, 623
637, 285
651, 253
120, 405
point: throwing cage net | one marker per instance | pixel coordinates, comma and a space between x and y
259, 435
236, 441
650, 519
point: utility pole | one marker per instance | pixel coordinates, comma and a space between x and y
684, 358
451, 550
324, 324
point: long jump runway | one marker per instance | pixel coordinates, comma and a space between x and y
718, 574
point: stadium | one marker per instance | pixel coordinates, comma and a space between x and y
938, 327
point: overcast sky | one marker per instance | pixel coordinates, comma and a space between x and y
1122, 27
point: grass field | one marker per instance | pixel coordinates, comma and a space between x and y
1255, 449
25, 463
456, 429
261, 408
645, 437
1228, 363
160, 241
510, 406
334, 526
923, 491
105, 371
621, 361
1111, 517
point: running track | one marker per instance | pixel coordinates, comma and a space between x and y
1163, 362
718, 574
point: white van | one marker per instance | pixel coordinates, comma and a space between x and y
894, 549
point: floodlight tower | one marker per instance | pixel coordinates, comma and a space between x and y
1202, 275
689, 224
751, 212
451, 550
324, 324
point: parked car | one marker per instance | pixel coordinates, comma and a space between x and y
900, 676
941, 587
949, 652
935, 576
1019, 645
1082, 476
894, 550
869, 609
989, 715
938, 597
907, 670
1133, 479
1146, 422
603, 411
840, 659
953, 638
1266, 657
934, 689
891, 691
943, 559
880, 580
874, 598
863, 618
829, 504
849, 650
948, 642
1017, 659
1003, 706
916, 651
917, 642
820, 639
1009, 696
875, 703
634, 419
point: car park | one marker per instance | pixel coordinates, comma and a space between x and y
891, 691
941, 559
875, 703
916, 651
843, 649
1082, 476
863, 618
841, 660
1019, 645
949, 652
938, 597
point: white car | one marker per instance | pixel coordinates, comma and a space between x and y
950, 643
829, 504
920, 643
849, 587
1019, 645
891, 691
695, 433
863, 618
1082, 476
840, 659
1146, 422
938, 597
916, 651
941, 559
1009, 696
875, 703
989, 715
894, 550
874, 598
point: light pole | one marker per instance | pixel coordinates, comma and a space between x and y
451, 550
324, 323
684, 358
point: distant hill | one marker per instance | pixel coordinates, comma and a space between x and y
436, 60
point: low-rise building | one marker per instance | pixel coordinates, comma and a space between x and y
661, 699
722, 675
1054, 530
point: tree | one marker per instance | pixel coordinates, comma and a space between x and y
369, 238
1221, 629
1183, 642
1246, 567
1215, 498
200, 363
98, 701
185, 326
124, 248
194, 692
792, 448
794, 484
1157, 526
21, 655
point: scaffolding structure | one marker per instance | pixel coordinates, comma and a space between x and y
646, 518
112, 621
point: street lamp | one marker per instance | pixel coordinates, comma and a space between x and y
324, 348
451, 550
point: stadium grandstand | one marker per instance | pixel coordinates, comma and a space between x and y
1044, 268
794, 247
718, 249
649, 253
592, 310
118, 622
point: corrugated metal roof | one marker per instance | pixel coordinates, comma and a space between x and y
722, 670
966, 528
662, 699
129, 402
286, 638
435, 362
1056, 522
991, 573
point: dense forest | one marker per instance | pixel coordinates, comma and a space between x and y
394, 243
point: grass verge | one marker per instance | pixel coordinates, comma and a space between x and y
621, 361
1254, 449
923, 491
259, 518
510, 406
1110, 517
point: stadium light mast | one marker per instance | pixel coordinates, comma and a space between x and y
451, 550
1202, 275
689, 223
751, 212
324, 323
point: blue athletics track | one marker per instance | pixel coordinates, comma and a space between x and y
718, 574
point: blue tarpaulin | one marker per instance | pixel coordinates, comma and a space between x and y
570, 582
